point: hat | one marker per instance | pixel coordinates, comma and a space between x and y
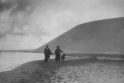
58, 46
47, 45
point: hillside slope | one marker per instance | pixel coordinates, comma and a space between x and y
103, 36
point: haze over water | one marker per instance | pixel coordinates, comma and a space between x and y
10, 60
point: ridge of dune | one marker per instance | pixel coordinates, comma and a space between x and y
102, 36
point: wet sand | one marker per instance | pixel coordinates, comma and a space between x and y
73, 70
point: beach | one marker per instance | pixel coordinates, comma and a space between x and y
75, 69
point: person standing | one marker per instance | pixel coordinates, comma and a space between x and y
47, 53
57, 53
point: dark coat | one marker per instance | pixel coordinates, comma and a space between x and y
57, 53
47, 53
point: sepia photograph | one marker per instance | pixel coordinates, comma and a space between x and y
61, 41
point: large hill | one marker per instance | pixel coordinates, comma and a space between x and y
102, 36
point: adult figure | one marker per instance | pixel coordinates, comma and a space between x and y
57, 53
47, 53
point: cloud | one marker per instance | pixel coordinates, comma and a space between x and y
44, 17
65, 14
19, 5
14, 14
47, 19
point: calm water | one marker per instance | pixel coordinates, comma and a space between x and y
10, 60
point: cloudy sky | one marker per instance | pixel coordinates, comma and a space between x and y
28, 24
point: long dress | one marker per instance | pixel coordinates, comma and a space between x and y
57, 53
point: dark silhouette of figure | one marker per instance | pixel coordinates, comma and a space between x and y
57, 53
47, 53
63, 56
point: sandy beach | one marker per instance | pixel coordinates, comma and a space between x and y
73, 70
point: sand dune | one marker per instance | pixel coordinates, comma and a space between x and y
103, 36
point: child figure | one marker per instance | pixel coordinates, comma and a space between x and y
62, 56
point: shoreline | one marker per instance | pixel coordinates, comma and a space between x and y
71, 57
85, 70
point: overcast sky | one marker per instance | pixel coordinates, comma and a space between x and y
28, 24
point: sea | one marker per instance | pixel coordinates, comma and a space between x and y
11, 60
